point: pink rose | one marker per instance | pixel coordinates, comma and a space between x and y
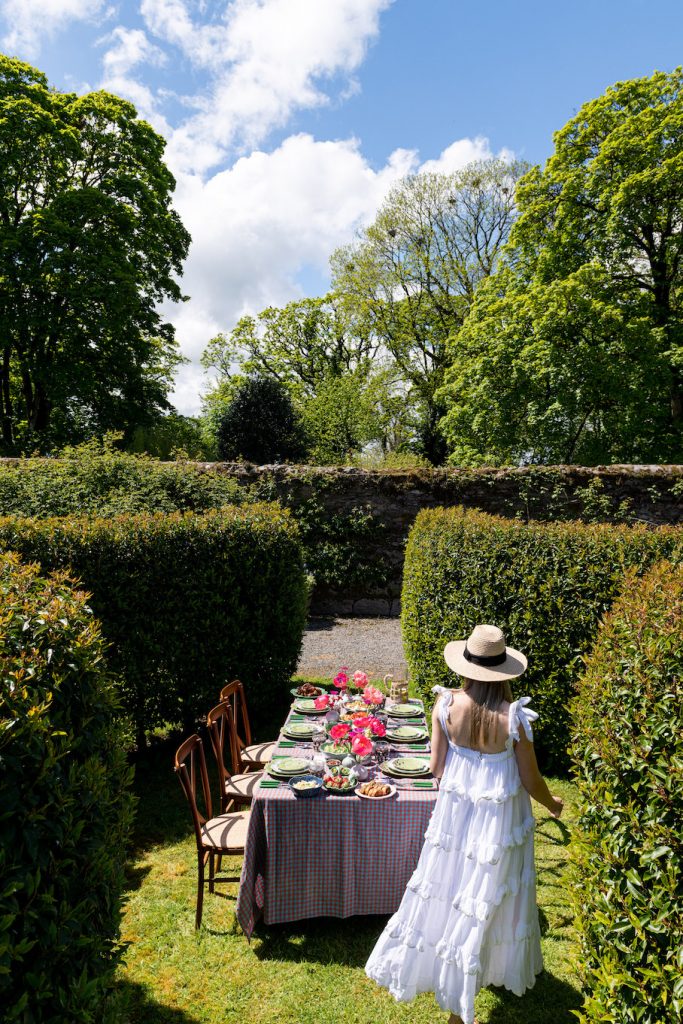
361, 745
340, 731
360, 680
341, 680
361, 721
322, 701
378, 728
371, 695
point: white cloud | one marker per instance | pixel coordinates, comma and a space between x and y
35, 20
257, 225
461, 153
128, 49
267, 58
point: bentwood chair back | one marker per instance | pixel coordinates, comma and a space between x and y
235, 788
251, 755
224, 834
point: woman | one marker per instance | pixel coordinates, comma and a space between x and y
468, 917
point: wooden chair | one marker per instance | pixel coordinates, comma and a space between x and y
236, 789
251, 755
225, 834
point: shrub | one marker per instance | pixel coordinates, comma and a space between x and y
545, 584
627, 746
187, 601
94, 478
66, 804
260, 424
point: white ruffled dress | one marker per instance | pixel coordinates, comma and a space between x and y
468, 917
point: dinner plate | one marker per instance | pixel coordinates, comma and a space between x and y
387, 796
407, 734
289, 765
406, 766
299, 730
306, 706
404, 710
301, 696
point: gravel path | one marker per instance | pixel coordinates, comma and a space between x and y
372, 645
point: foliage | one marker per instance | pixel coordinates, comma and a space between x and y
343, 550
260, 424
66, 803
627, 746
187, 601
95, 478
172, 436
302, 344
347, 394
89, 248
412, 274
545, 584
573, 350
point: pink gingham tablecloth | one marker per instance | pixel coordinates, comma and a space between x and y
329, 855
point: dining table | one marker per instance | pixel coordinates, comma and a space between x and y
332, 855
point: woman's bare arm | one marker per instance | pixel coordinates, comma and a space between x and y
439, 745
531, 777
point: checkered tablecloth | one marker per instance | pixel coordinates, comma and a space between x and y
329, 855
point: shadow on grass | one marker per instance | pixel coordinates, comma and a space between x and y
550, 1001
132, 1004
554, 832
325, 940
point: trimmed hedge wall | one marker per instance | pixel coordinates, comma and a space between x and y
66, 803
187, 601
627, 745
545, 584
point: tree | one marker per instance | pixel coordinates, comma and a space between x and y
411, 276
573, 352
89, 246
300, 344
344, 388
260, 424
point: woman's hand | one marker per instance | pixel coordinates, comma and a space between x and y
556, 807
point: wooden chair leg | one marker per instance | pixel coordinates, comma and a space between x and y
200, 890
219, 861
212, 872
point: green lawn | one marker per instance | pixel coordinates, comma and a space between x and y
302, 973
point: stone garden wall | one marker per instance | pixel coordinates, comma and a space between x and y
651, 494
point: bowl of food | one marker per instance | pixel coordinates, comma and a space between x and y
307, 690
305, 785
339, 780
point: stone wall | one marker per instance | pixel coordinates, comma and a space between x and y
645, 493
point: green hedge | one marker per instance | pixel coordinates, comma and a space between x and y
66, 803
545, 584
627, 746
96, 479
187, 601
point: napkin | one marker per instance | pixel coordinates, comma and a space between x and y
287, 743
427, 784
269, 785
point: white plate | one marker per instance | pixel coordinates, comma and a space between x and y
387, 796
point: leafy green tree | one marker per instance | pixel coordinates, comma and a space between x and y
411, 276
346, 391
573, 351
260, 424
300, 345
89, 248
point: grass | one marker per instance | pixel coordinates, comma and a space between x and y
301, 973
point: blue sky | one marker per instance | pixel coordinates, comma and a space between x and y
288, 120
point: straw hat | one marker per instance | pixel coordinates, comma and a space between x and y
484, 656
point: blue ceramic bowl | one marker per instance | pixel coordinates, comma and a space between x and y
309, 790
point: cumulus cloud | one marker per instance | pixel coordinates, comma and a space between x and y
257, 225
461, 153
33, 21
267, 58
127, 49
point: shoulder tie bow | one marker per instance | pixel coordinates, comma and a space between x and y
521, 715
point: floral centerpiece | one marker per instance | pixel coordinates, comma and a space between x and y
356, 733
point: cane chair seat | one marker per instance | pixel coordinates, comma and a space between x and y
241, 788
257, 754
226, 833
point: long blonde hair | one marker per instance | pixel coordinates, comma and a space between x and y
487, 698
